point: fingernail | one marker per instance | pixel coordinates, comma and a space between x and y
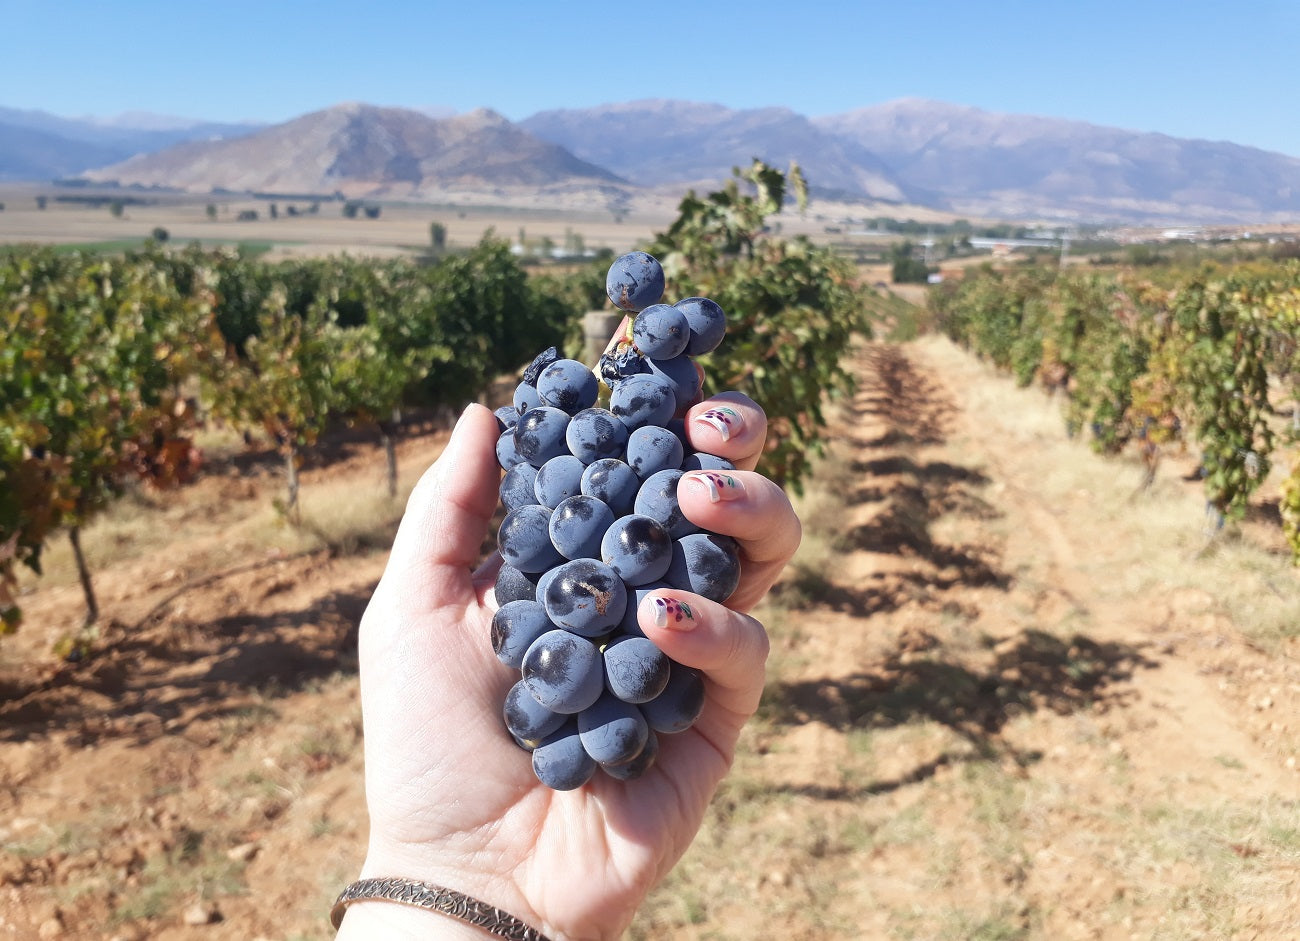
726, 420
671, 613
720, 485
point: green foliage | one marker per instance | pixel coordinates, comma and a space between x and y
1203, 352
793, 309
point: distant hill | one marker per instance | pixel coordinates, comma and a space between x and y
910, 152
981, 162
656, 142
36, 145
363, 150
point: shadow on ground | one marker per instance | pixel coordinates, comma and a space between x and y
1030, 672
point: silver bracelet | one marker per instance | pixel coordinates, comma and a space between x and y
435, 898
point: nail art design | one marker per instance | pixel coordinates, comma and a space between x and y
670, 610
726, 420
721, 486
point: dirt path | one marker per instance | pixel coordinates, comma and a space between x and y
1006, 700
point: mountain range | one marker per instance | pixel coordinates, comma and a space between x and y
910, 152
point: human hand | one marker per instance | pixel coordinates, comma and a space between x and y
452, 799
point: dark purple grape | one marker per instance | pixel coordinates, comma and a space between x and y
527, 720
557, 480
612, 482
636, 670
635, 281
514, 585
568, 385
707, 321
563, 672
526, 397
507, 454
507, 416
596, 433
515, 626
560, 762
586, 597
631, 770
539, 434
651, 449
612, 731
643, 400
699, 460
579, 524
517, 486
524, 539
638, 548
679, 705
706, 564
661, 332
657, 499
683, 377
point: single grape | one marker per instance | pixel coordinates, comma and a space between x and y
563, 672
700, 460
679, 705
657, 499
707, 322
661, 332
613, 483
526, 397
579, 524
631, 770
586, 597
638, 548
651, 449
507, 416
539, 434
524, 539
514, 585
636, 670
558, 479
643, 400
596, 433
527, 719
568, 385
612, 731
680, 373
515, 626
517, 486
706, 564
634, 281
560, 762
507, 454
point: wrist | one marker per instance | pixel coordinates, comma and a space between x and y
449, 871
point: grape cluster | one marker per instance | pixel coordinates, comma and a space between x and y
592, 526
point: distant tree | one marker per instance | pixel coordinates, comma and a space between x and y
275, 211
350, 209
372, 212
438, 236
160, 234
40, 202
907, 269
212, 211
2, 207
116, 207
247, 215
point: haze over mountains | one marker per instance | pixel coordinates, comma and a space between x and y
907, 152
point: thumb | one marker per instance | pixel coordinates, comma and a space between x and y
447, 516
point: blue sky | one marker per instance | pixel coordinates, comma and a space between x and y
1218, 70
